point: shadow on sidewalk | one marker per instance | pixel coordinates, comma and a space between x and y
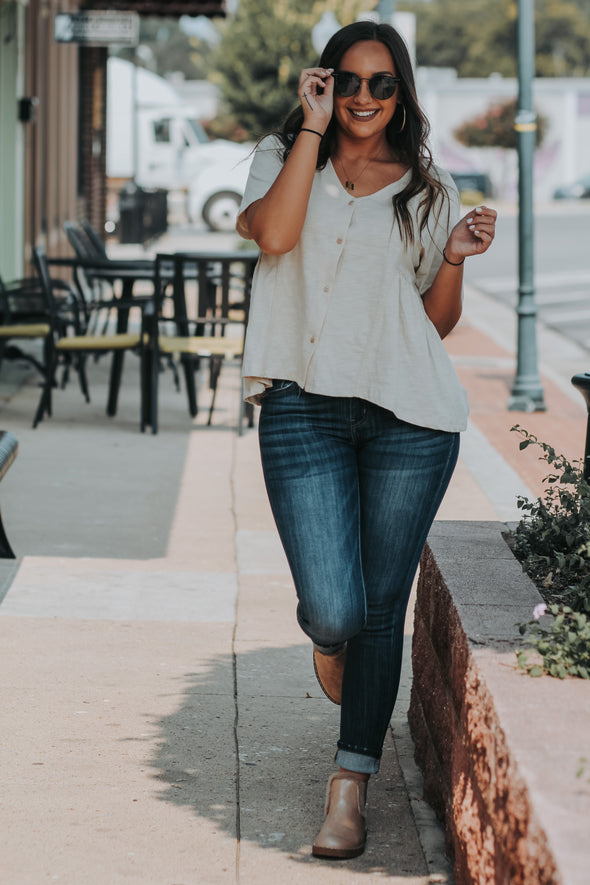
273, 797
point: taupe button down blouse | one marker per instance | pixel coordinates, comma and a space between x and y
342, 314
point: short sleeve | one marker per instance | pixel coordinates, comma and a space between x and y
266, 165
435, 235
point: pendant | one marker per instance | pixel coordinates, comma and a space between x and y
349, 185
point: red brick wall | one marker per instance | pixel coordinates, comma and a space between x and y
470, 776
92, 173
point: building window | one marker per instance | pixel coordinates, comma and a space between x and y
162, 131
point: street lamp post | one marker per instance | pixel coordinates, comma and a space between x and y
527, 390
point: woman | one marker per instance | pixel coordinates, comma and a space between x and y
360, 278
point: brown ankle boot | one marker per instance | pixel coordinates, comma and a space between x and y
329, 670
344, 832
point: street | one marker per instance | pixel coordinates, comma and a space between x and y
562, 267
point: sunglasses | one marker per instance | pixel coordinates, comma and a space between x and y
381, 86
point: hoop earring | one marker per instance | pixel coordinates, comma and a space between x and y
404, 122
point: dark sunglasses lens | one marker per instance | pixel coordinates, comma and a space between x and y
346, 84
382, 87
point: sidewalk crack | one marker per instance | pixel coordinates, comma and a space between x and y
236, 752
238, 821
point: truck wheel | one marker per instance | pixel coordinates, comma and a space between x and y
220, 212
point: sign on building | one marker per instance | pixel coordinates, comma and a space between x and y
97, 28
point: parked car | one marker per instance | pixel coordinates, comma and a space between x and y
473, 187
577, 190
214, 196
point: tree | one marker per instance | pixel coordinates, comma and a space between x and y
478, 37
495, 127
171, 49
563, 40
475, 41
261, 54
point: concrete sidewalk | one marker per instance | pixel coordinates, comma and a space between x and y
161, 721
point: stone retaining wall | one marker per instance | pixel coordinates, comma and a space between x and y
500, 751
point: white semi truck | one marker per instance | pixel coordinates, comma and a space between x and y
155, 139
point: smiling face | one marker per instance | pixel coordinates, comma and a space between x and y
361, 115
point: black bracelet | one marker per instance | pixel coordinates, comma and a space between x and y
315, 132
453, 263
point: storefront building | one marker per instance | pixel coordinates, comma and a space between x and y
53, 122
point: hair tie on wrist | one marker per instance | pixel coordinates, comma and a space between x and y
315, 132
453, 263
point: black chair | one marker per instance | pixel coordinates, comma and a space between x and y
91, 252
64, 345
98, 294
93, 269
94, 240
25, 319
95, 272
200, 312
8, 452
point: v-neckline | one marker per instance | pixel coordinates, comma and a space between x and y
380, 190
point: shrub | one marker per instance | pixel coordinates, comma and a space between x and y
552, 541
495, 127
563, 647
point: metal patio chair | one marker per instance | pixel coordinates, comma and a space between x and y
200, 312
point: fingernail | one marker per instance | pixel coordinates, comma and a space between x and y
469, 220
479, 209
472, 227
475, 231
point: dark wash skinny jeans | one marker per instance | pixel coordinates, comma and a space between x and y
354, 491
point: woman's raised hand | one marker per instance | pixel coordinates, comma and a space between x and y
316, 94
472, 235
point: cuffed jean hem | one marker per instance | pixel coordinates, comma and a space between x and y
357, 762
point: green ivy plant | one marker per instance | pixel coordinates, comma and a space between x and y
552, 541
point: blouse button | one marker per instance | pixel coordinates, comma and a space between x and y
312, 339
351, 202
339, 240
326, 288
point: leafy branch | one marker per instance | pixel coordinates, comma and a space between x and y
563, 648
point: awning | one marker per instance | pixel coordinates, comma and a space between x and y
171, 8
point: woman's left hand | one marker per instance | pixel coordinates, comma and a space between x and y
473, 235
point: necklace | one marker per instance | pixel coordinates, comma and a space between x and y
348, 183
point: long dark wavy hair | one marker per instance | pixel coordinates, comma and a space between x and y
408, 143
